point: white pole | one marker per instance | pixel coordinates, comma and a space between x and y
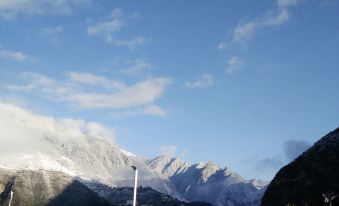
10, 200
135, 185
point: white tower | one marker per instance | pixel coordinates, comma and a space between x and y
135, 185
10, 200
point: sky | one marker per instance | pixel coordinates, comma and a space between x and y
246, 84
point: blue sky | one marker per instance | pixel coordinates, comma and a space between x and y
242, 83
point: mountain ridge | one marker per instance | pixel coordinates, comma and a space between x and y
209, 182
310, 177
84, 150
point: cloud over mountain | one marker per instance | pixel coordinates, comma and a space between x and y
23, 131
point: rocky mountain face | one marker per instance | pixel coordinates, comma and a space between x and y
208, 182
98, 161
35, 188
311, 179
45, 188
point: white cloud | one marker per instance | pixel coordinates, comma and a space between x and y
11, 8
131, 44
234, 64
222, 46
138, 68
272, 18
168, 150
141, 93
94, 80
14, 55
108, 30
285, 3
150, 110
203, 81
154, 110
117, 96
12, 99
52, 35
23, 130
244, 30
51, 31
183, 153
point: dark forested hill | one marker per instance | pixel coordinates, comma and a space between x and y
309, 179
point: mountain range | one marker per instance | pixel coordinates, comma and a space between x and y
209, 182
44, 156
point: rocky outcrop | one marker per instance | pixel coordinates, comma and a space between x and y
309, 178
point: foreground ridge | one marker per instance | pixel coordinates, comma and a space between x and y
311, 179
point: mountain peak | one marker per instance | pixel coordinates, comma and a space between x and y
207, 182
167, 165
208, 170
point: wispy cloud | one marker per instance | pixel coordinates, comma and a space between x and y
149, 110
106, 29
94, 80
168, 150
266, 168
138, 68
14, 55
247, 29
291, 150
294, 148
131, 44
51, 31
154, 110
244, 30
269, 163
329, 2
83, 89
52, 34
109, 28
222, 46
234, 64
203, 81
12, 8
285, 3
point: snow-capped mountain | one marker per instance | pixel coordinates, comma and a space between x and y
74, 147
41, 187
52, 188
85, 152
209, 182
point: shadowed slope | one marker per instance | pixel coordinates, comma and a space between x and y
45, 188
307, 178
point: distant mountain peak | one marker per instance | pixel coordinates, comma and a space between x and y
208, 182
167, 165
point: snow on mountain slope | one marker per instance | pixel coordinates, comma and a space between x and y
75, 147
209, 182
168, 166
87, 150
